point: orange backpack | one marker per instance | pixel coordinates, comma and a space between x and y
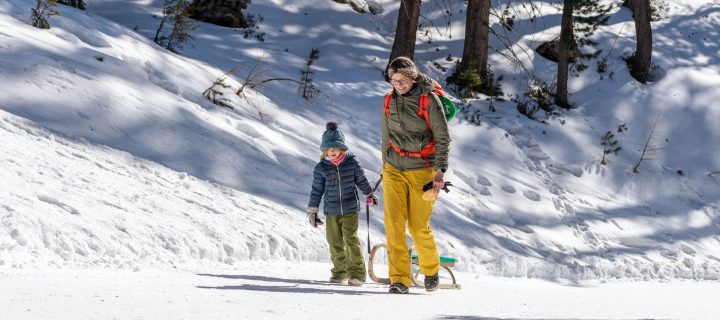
429, 149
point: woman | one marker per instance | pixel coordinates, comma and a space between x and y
415, 147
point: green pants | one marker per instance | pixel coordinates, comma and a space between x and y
345, 252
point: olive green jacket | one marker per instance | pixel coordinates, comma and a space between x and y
408, 131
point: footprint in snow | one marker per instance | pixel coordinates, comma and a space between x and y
687, 249
531, 195
485, 191
484, 181
56, 202
508, 189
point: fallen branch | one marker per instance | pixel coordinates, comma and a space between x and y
647, 149
273, 79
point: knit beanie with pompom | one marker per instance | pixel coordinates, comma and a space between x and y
333, 137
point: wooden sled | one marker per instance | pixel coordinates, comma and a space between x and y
445, 263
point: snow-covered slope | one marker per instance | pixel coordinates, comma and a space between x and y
69, 202
140, 165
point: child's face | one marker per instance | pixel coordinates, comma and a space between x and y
333, 153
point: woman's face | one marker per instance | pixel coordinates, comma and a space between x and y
401, 83
333, 153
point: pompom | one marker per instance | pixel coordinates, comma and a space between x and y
332, 125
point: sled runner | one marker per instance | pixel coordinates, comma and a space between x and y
445, 263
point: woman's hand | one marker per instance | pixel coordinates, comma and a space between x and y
438, 181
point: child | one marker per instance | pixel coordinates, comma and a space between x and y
337, 176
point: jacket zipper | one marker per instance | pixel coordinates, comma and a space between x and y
340, 189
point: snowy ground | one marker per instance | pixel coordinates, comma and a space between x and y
123, 190
270, 290
124, 194
531, 199
110, 248
67, 202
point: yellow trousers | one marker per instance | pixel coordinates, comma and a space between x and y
402, 198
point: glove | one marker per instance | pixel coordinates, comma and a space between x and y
312, 213
372, 199
429, 186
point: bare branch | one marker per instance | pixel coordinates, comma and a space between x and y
273, 79
504, 38
647, 149
512, 55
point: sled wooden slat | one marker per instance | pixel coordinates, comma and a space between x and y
445, 263
370, 268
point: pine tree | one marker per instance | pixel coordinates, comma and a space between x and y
43, 10
566, 45
175, 12
226, 13
610, 146
405, 32
580, 20
80, 4
306, 89
477, 29
640, 62
472, 74
468, 81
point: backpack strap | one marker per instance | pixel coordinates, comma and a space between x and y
438, 90
388, 97
423, 109
425, 153
429, 149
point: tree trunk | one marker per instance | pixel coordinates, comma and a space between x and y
159, 29
226, 13
405, 33
475, 50
643, 50
567, 43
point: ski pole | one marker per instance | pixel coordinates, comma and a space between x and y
367, 212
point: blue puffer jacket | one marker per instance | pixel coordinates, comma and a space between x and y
338, 185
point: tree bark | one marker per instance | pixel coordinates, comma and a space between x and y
226, 13
643, 49
159, 29
477, 28
567, 43
406, 31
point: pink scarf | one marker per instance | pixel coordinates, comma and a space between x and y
339, 159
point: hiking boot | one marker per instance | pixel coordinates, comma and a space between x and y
432, 282
398, 288
356, 282
337, 280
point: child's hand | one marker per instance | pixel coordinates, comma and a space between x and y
313, 218
372, 199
